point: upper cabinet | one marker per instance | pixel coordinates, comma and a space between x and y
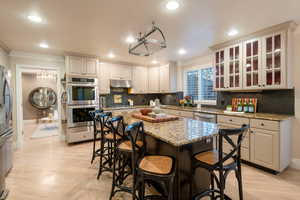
81, 66
252, 64
103, 78
140, 80
168, 78
123, 72
257, 61
153, 79
273, 60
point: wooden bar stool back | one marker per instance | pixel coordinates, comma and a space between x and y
129, 149
224, 163
96, 137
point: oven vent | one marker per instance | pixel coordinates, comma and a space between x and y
116, 83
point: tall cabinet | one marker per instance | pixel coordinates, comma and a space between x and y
258, 61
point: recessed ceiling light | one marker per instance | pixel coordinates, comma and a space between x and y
44, 45
181, 51
111, 55
130, 39
154, 62
34, 18
172, 5
233, 32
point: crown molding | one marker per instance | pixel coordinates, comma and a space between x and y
45, 57
5, 47
289, 25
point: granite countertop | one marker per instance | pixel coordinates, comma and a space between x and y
179, 132
265, 116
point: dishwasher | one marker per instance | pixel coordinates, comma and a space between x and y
205, 117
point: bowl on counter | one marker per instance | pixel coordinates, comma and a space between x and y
146, 111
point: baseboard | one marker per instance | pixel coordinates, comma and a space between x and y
295, 163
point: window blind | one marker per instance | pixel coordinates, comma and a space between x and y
199, 85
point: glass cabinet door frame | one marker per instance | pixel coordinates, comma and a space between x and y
282, 60
240, 60
259, 57
215, 70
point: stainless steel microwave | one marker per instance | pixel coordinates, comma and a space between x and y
82, 91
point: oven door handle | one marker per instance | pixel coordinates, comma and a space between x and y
82, 106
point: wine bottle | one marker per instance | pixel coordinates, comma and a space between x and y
251, 106
240, 106
246, 106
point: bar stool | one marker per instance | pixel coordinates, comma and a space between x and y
95, 152
106, 145
217, 161
127, 152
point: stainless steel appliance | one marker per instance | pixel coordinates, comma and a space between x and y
119, 83
78, 115
5, 130
82, 90
205, 117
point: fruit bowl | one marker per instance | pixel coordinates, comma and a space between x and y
146, 111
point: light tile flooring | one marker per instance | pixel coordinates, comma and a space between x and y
47, 169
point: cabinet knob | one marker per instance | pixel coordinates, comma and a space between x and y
230, 120
262, 124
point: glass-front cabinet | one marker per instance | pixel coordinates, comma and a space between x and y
273, 64
252, 64
219, 60
234, 70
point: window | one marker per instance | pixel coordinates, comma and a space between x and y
199, 85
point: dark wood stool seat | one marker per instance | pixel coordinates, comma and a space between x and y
127, 146
212, 157
110, 136
156, 164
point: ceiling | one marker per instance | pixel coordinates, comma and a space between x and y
98, 27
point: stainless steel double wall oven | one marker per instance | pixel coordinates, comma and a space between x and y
82, 98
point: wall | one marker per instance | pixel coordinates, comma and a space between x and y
29, 83
3, 57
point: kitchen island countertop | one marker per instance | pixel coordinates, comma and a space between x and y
179, 132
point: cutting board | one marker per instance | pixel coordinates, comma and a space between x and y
154, 120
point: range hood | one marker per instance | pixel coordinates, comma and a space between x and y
116, 83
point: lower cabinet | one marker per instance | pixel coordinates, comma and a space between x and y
265, 148
188, 114
267, 144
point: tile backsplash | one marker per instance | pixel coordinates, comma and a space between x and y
269, 101
141, 99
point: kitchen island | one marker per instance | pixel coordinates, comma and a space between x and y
181, 139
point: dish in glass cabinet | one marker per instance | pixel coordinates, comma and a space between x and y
42, 98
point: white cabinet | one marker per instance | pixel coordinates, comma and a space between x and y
265, 148
153, 79
91, 66
164, 78
103, 78
260, 61
252, 64
273, 60
123, 72
75, 65
140, 80
219, 63
81, 66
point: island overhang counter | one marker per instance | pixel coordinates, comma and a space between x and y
180, 139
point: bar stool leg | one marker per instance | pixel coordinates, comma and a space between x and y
212, 185
238, 175
222, 184
101, 159
171, 188
115, 157
94, 147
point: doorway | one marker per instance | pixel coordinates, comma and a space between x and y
38, 103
